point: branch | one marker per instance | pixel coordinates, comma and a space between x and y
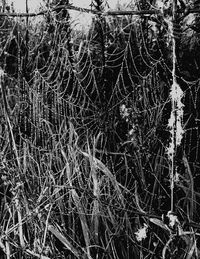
86, 10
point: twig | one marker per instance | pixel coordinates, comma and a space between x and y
87, 10
173, 139
175, 120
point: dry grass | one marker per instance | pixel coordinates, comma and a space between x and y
76, 185
68, 204
65, 201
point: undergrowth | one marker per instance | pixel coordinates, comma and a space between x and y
84, 171
66, 203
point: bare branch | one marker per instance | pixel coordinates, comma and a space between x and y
86, 10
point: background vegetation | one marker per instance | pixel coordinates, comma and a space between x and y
84, 133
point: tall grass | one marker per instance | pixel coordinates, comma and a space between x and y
64, 202
83, 136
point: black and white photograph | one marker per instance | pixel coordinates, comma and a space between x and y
99, 129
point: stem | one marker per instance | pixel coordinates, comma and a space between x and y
86, 10
174, 105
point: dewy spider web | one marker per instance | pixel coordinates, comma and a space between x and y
120, 63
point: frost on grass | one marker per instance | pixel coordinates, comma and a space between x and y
173, 220
141, 233
124, 112
175, 120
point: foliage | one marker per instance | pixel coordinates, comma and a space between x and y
84, 135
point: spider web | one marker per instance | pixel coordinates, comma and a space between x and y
113, 82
